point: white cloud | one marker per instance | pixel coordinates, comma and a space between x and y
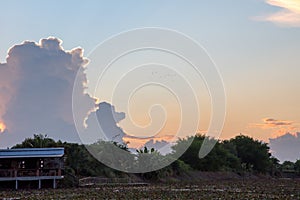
36, 85
286, 147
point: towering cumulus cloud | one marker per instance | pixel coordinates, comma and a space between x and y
36, 84
36, 91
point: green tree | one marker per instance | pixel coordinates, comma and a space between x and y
253, 153
233, 163
288, 166
275, 167
152, 159
112, 154
297, 166
38, 141
219, 159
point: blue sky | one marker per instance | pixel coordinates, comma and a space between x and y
257, 54
88, 23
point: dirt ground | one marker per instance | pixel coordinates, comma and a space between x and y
207, 189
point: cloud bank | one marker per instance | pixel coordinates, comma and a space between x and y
289, 15
36, 84
286, 147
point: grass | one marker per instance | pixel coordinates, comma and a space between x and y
225, 189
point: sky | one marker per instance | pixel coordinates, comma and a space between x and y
254, 43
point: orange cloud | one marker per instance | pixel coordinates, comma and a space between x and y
278, 127
269, 123
2, 127
288, 16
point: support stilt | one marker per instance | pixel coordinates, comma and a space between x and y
54, 183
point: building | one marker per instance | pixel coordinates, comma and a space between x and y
30, 165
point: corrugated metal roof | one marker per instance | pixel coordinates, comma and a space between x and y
31, 152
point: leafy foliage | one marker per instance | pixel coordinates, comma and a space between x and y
38, 141
220, 158
255, 154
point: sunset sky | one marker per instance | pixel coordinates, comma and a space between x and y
254, 43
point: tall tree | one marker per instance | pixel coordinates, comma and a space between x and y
220, 157
38, 141
255, 154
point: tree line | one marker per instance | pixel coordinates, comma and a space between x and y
241, 154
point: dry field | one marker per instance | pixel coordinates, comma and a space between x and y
226, 189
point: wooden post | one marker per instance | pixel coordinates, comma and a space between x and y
40, 184
16, 184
